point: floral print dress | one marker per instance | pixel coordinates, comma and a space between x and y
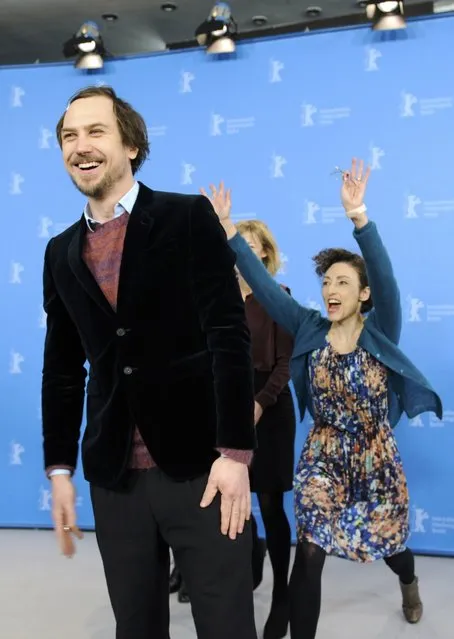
351, 496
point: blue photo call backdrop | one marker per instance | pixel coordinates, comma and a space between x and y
273, 122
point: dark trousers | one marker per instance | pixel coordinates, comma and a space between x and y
135, 529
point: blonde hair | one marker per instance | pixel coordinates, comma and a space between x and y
260, 230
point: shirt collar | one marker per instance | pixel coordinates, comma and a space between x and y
124, 205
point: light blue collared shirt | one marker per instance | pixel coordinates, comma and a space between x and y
126, 204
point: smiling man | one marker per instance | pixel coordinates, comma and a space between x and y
143, 287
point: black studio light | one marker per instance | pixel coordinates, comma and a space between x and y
87, 46
386, 16
218, 31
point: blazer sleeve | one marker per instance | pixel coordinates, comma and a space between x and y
223, 320
284, 310
63, 379
387, 310
280, 375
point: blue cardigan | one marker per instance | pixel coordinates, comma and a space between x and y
408, 389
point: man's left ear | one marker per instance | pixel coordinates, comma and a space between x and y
133, 153
365, 294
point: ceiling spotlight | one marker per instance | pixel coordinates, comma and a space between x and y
88, 46
259, 21
386, 16
169, 6
216, 33
109, 17
313, 12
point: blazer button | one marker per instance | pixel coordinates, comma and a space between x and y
121, 332
127, 370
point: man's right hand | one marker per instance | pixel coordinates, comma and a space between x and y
64, 513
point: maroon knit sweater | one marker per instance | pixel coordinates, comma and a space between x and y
102, 253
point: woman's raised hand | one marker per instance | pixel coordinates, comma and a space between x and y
220, 200
354, 183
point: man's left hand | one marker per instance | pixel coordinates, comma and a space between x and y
258, 412
231, 479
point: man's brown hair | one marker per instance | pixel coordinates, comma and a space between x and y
131, 124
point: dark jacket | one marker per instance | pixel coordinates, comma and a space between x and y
174, 359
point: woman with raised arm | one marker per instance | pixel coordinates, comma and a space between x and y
273, 463
272, 467
351, 497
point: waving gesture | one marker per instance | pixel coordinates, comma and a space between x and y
220, 199
353, 191
222, 204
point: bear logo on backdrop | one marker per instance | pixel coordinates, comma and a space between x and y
276, 68
186, 80
277, 166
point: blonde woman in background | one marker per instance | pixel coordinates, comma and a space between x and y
273, 464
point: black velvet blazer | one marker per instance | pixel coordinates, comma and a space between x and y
174, 359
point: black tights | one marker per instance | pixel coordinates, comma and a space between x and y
403, 565
306, 585
306, 590
278, 539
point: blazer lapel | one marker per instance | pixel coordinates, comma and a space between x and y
137, 239
81, 270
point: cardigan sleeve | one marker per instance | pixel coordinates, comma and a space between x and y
385, 293
283, 308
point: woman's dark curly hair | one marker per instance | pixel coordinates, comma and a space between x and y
325, 259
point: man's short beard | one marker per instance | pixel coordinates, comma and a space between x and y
96, 191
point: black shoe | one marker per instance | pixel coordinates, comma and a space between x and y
183, 596
277, 623
258, 560
174, 580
